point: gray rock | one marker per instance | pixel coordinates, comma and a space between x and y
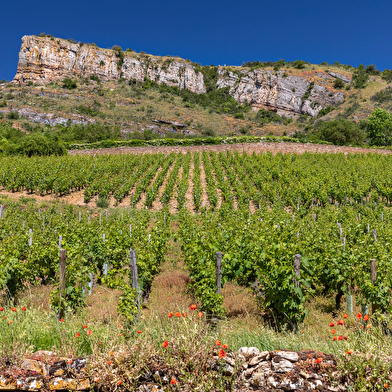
280, 365
249, 352
291, 356
263, 356
340, 76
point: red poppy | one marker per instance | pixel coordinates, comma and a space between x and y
366, 317
332, 325
61, 320
89, 332
70, 361
165, 343
173, 381
218, 343
84, 326
119, 382
139, 331
344, 337
340, 322
178, 314
333, 331
170, 314
10, 322
359, 316
4, 317
225, 346
221, 354
340, 337
13, 310
120, 334
345, 315
100, 343
24, 308
1, 309
109, 362
77, 335
193, 307
386, 385
319, 360
348, 352
200, 314
334, 338
185, 314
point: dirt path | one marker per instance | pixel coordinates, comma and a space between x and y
275, 148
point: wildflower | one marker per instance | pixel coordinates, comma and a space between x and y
70, 361
345, 315
366, 317
361, 326
200, 314
340, 337
119, 382
319, 360
84, 326
193, 307
369, 326
340, 322
24, 308
170, 315
77, 335
139, 331
178, 314
61, 320
109, 362
165, 343
13, 310
89, 332
221, 354
348, 352
225, 346
4, 317
118, 325
185, 314
1, 309
359, 316
344, 337
218, 343
173, 381
333, 331
120, 334
10, 322
332, 325
96, 379
386, 385
100, 343
334, 338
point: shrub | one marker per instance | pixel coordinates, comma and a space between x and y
69, 83
340, 132
338, 83
95, 78
380, 127
383, 96
299, 64
268, 116
360, 77
3, 104
12, 115
386, 75
102, 202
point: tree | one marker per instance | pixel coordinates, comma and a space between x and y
340, 132
360, 77
338, 83
380, 128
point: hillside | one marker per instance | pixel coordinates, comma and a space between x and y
137, 95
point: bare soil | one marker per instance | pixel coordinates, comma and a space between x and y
298, 148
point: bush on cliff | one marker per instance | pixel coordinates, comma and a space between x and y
340, 132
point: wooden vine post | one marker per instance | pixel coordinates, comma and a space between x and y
218, 272
297, 269
135, 282
63, 258
373, 277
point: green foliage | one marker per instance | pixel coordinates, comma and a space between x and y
299, 64
383, 96
3, 103
102, 202
340, 132
210, 74
95, 78
360, 77
13, 115
119, 54
308, 92
268, 116
387, 75
69, 83
338, 83
325, 111
380, 127
372, 70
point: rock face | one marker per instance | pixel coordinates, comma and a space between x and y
43, 60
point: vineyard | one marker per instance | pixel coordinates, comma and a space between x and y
258, 210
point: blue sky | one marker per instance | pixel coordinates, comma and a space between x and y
208, 31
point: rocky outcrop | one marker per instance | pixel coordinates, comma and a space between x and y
43, 60
286, 94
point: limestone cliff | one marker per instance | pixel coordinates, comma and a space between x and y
43, 60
